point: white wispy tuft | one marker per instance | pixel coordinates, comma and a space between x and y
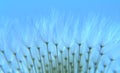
59, 44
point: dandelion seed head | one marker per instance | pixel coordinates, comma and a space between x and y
59, 43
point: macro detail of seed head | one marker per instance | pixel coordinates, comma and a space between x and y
59, 36
60, 45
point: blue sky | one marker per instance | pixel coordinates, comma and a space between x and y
18, 8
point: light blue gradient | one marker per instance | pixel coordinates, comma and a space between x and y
13, 8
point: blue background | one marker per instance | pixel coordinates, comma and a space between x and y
20, 8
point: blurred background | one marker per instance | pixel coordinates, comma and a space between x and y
35, 8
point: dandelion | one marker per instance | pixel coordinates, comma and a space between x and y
59, 44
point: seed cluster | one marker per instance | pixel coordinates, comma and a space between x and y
63, 61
